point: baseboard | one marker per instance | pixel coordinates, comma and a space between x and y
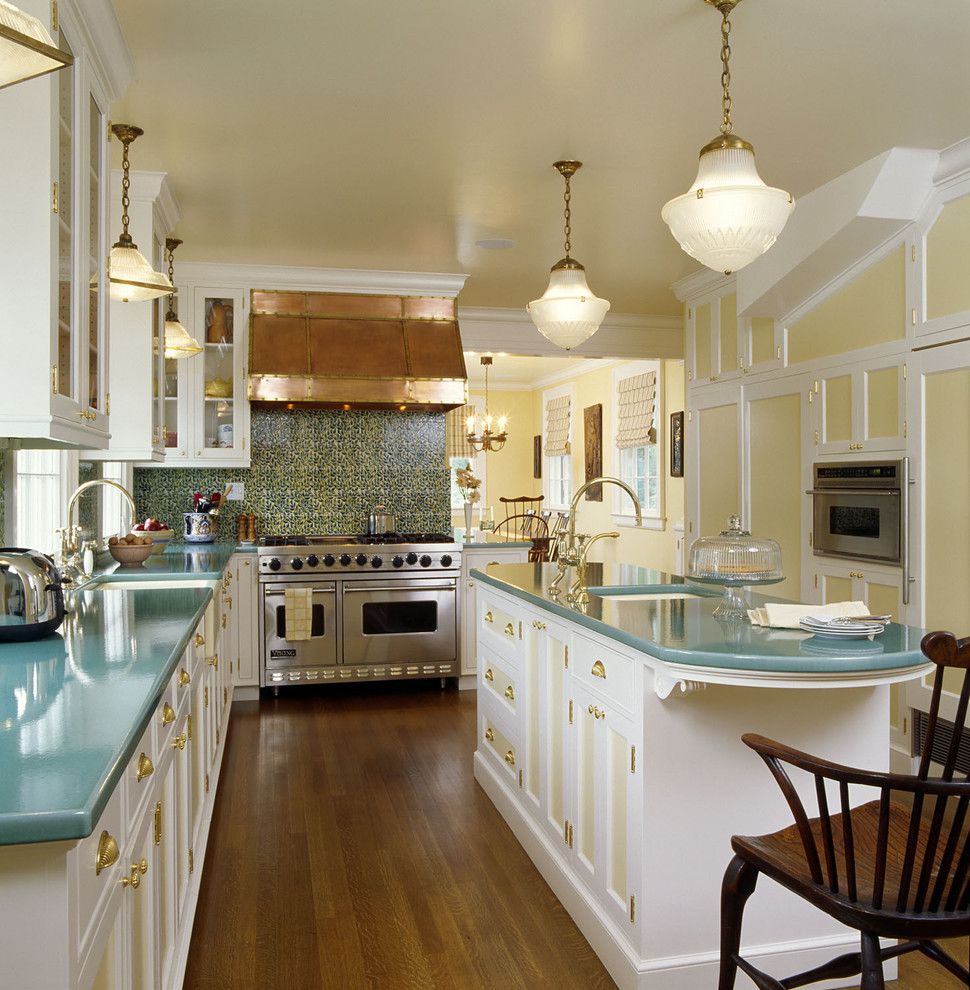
697, 971
468, 682
245, 693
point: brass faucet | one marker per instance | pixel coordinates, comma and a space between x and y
577, 547
70, 561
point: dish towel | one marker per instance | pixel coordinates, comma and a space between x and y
784, 616
298, 612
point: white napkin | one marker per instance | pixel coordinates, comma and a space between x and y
783, 616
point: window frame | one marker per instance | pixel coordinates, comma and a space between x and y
479, 464
67, 476
566, 460
621, 507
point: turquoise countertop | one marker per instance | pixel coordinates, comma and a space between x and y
684, 632
74, 705
477, 540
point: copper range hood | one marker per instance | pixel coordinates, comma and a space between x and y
330, 350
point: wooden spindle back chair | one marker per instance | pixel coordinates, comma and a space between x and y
527, 526
897, 866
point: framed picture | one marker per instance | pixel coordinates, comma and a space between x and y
677, 444
593, 440
537, 456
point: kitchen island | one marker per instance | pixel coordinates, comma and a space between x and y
609, 739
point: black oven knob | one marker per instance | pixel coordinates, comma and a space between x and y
361, 559
398, 561
312, 560
328, 561
376, 562
274, 564
296, 564
344, 559
446, 560
425, 561
412, 558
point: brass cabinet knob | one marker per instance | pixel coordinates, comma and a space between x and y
184, 677
138, 870
179, 741
510, 758
510, 693
489, 735
599, 670
213, 661
489, 676
489, 617
536, 624
145, 767
596, 711
509, 629
199, 639
168, 714
107, 853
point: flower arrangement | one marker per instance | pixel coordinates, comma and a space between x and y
468, 484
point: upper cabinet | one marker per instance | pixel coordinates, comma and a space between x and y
723, 345
939, 254
53, 208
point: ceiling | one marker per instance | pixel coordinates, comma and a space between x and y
520, 372
390, 135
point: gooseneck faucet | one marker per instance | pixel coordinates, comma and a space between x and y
70, 561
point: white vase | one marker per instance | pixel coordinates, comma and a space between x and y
469, 509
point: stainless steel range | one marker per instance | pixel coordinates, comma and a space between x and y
380, 608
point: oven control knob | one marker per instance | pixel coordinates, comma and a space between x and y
425, 561
344, 559
398, 561
328, 561
376, 562
296, 563
361, 559
412, 558
312, 560
446, 560
274, 564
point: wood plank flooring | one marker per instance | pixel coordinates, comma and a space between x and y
351, 847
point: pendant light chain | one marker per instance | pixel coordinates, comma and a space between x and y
125, 186
567, 229
726, 124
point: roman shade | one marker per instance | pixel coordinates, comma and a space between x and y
636, 410
557, 426
456, 433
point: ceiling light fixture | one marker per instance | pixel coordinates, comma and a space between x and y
568, 313
26, 48
131, 276
480, 435
729, 216
179, 343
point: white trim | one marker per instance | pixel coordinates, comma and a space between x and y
954, 162
650, 519
703, 282
105, 47
548, 394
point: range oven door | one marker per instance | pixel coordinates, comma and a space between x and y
320, 649
859, 523
399, 621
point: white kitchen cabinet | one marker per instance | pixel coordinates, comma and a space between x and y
244, 622
52, 259
878, 585
718, 343
206, 405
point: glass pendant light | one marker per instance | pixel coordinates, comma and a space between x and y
729, 216
26, 47
480, 433
179, 343
131, 277
568, 313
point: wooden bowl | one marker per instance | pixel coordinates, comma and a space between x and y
130, 556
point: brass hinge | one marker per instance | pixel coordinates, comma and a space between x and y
570, 835
690, 313
570, 711
244, 443
690, 527
633, 910
905, 725
633, 759
205, 697
207, 783
55, 379
690, 416
914, 316
565, 653
55, 20
904, 371
690, 376
815, 386
904, 429
158, 823
811, 396
191, 861
156, 348
913, 252
189, 729
520, 630
816, 580
809, 537
816, 438
218, 734
225, 690
107, 403
778, 353
55, 199
230, 666
520, 778
565, 833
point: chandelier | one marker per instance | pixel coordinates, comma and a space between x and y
480, 435
729, 216
179, 343
26, 47
131, 276
568, 313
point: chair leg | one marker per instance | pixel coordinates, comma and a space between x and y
872, 978
737, 886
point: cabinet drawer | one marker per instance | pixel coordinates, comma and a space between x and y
498, 683
609, 674
97, 866
500, 748
499, 627
180, 685
140, 774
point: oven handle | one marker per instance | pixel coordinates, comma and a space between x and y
316, 591
904, 529
852, 491
400, 587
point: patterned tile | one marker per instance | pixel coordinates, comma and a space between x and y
321, 471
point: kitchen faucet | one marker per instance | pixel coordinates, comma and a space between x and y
577, 547
70, 561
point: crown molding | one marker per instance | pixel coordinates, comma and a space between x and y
954, 162
105, 46
701, 282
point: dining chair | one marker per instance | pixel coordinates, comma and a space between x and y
526, 526
896, 867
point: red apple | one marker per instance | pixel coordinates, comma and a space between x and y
138, 527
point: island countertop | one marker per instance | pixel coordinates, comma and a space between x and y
627, 603
74, 705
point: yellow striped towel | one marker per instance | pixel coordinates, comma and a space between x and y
298, 612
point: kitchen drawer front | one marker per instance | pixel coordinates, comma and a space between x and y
501, 628
500, 747
165, 716
142, 772
93, 888
611, 675
498, 682
180, 684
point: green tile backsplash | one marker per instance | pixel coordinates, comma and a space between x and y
316, 471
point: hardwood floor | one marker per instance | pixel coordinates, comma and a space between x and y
351, 847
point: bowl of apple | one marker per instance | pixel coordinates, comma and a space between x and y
158, 532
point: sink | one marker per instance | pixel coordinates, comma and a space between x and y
146, 584
647, 592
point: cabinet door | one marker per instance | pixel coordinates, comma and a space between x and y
713, 447
879, 587
586, 813
165, 837
142, 905
862, 407
556, 711
244, 617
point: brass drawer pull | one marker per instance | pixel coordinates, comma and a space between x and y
179, 742
509, 630
107, 854
490, 734
145, 767
599, 670
489, 676
213, 661
510, 758
489, 617
199, 639
138, 870
184, 677
510, 693
536, 624
168, 714
596, 712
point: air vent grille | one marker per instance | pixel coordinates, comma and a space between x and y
942, 741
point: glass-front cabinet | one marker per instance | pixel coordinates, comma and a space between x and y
52, 262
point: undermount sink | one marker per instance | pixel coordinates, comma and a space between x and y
147, 584
645, 593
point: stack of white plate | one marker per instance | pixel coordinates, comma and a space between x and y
842, 628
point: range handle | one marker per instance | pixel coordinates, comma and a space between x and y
398, 587
853, 491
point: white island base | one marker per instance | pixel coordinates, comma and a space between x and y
626, 801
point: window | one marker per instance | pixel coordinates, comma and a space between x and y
556, 447
637, 442
460, 454
40, 492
